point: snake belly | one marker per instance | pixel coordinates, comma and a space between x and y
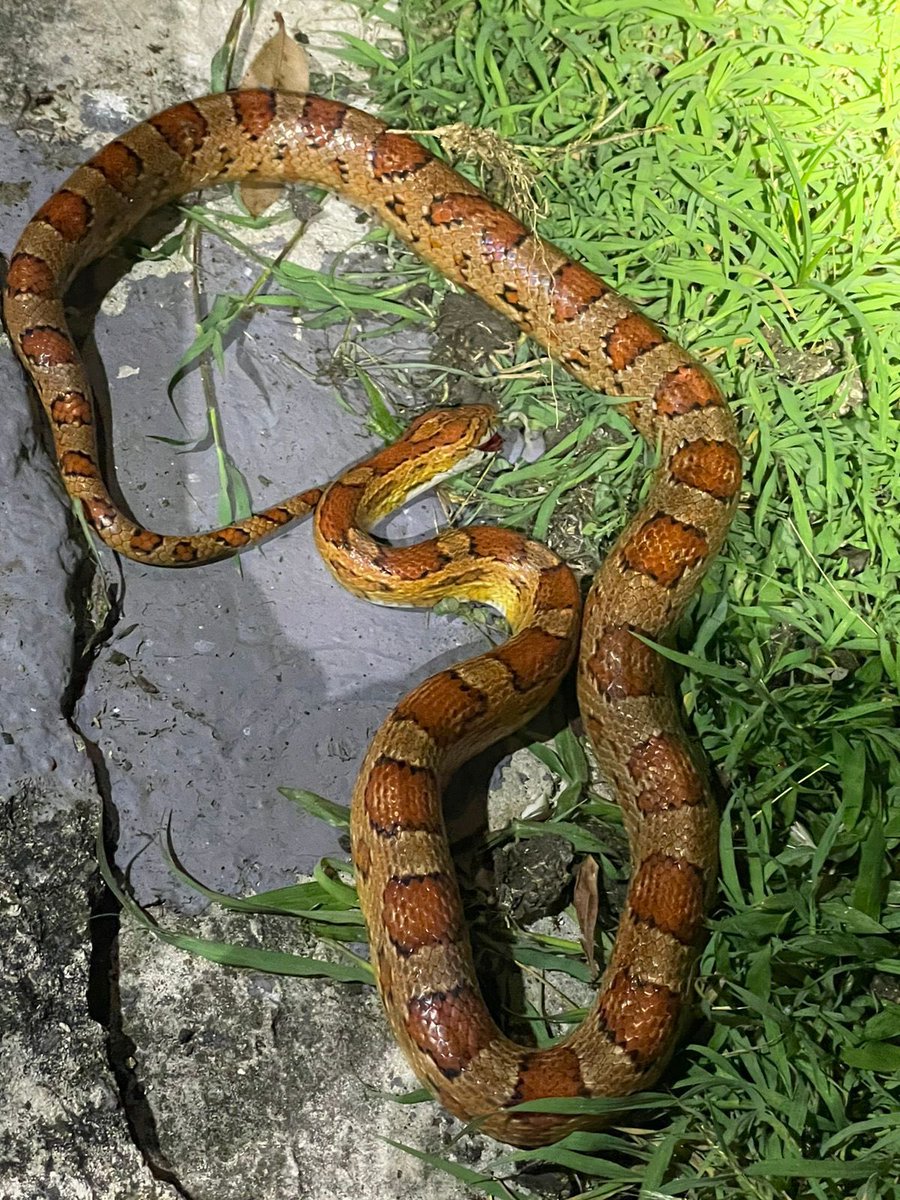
626, 693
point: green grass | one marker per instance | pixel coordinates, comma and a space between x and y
733, 167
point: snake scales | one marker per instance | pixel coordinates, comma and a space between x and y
406, 882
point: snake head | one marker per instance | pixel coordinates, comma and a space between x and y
446, 441
437, 445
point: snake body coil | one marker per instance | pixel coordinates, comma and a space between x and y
407, 887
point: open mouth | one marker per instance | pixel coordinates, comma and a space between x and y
494, 443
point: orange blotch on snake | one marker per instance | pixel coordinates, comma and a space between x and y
399, 796
532, 657
502, 545
145, 541
30, 275
71, 408
309, 499
420, 910
254, 110
500, 232
557, 588
410, 563
445, 706
451, 1027
631, 336
75, 462
119, 166
394, 155
185, 552
555, 1071
47, 347
668, 893
321, 119
573, 291
68, 213
277, 515
183, 128
685, 389
664, 549
232, 536
622, 665
662, 767
639, 1016
710, 466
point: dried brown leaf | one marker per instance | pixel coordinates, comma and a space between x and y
587, 906
281, 63
257, 197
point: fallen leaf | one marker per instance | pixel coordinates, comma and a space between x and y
281, 63
587, 905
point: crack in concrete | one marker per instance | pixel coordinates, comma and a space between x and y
103, 996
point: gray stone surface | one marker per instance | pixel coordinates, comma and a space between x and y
209, 689
263, 1086
63, 1132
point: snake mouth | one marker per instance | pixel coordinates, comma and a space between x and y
493, 444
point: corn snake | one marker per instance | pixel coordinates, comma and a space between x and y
627, 698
